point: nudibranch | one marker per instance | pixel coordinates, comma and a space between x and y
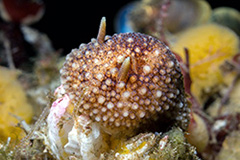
132, 79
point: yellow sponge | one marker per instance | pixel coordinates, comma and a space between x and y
209, 46
13, 101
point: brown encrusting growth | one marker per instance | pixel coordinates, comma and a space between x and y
131, 78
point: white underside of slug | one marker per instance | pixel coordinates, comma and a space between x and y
57, 111
84, 139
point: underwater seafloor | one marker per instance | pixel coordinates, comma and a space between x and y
165, 86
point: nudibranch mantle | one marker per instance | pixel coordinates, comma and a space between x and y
132, 79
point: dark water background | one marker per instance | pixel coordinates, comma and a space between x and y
69, 23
